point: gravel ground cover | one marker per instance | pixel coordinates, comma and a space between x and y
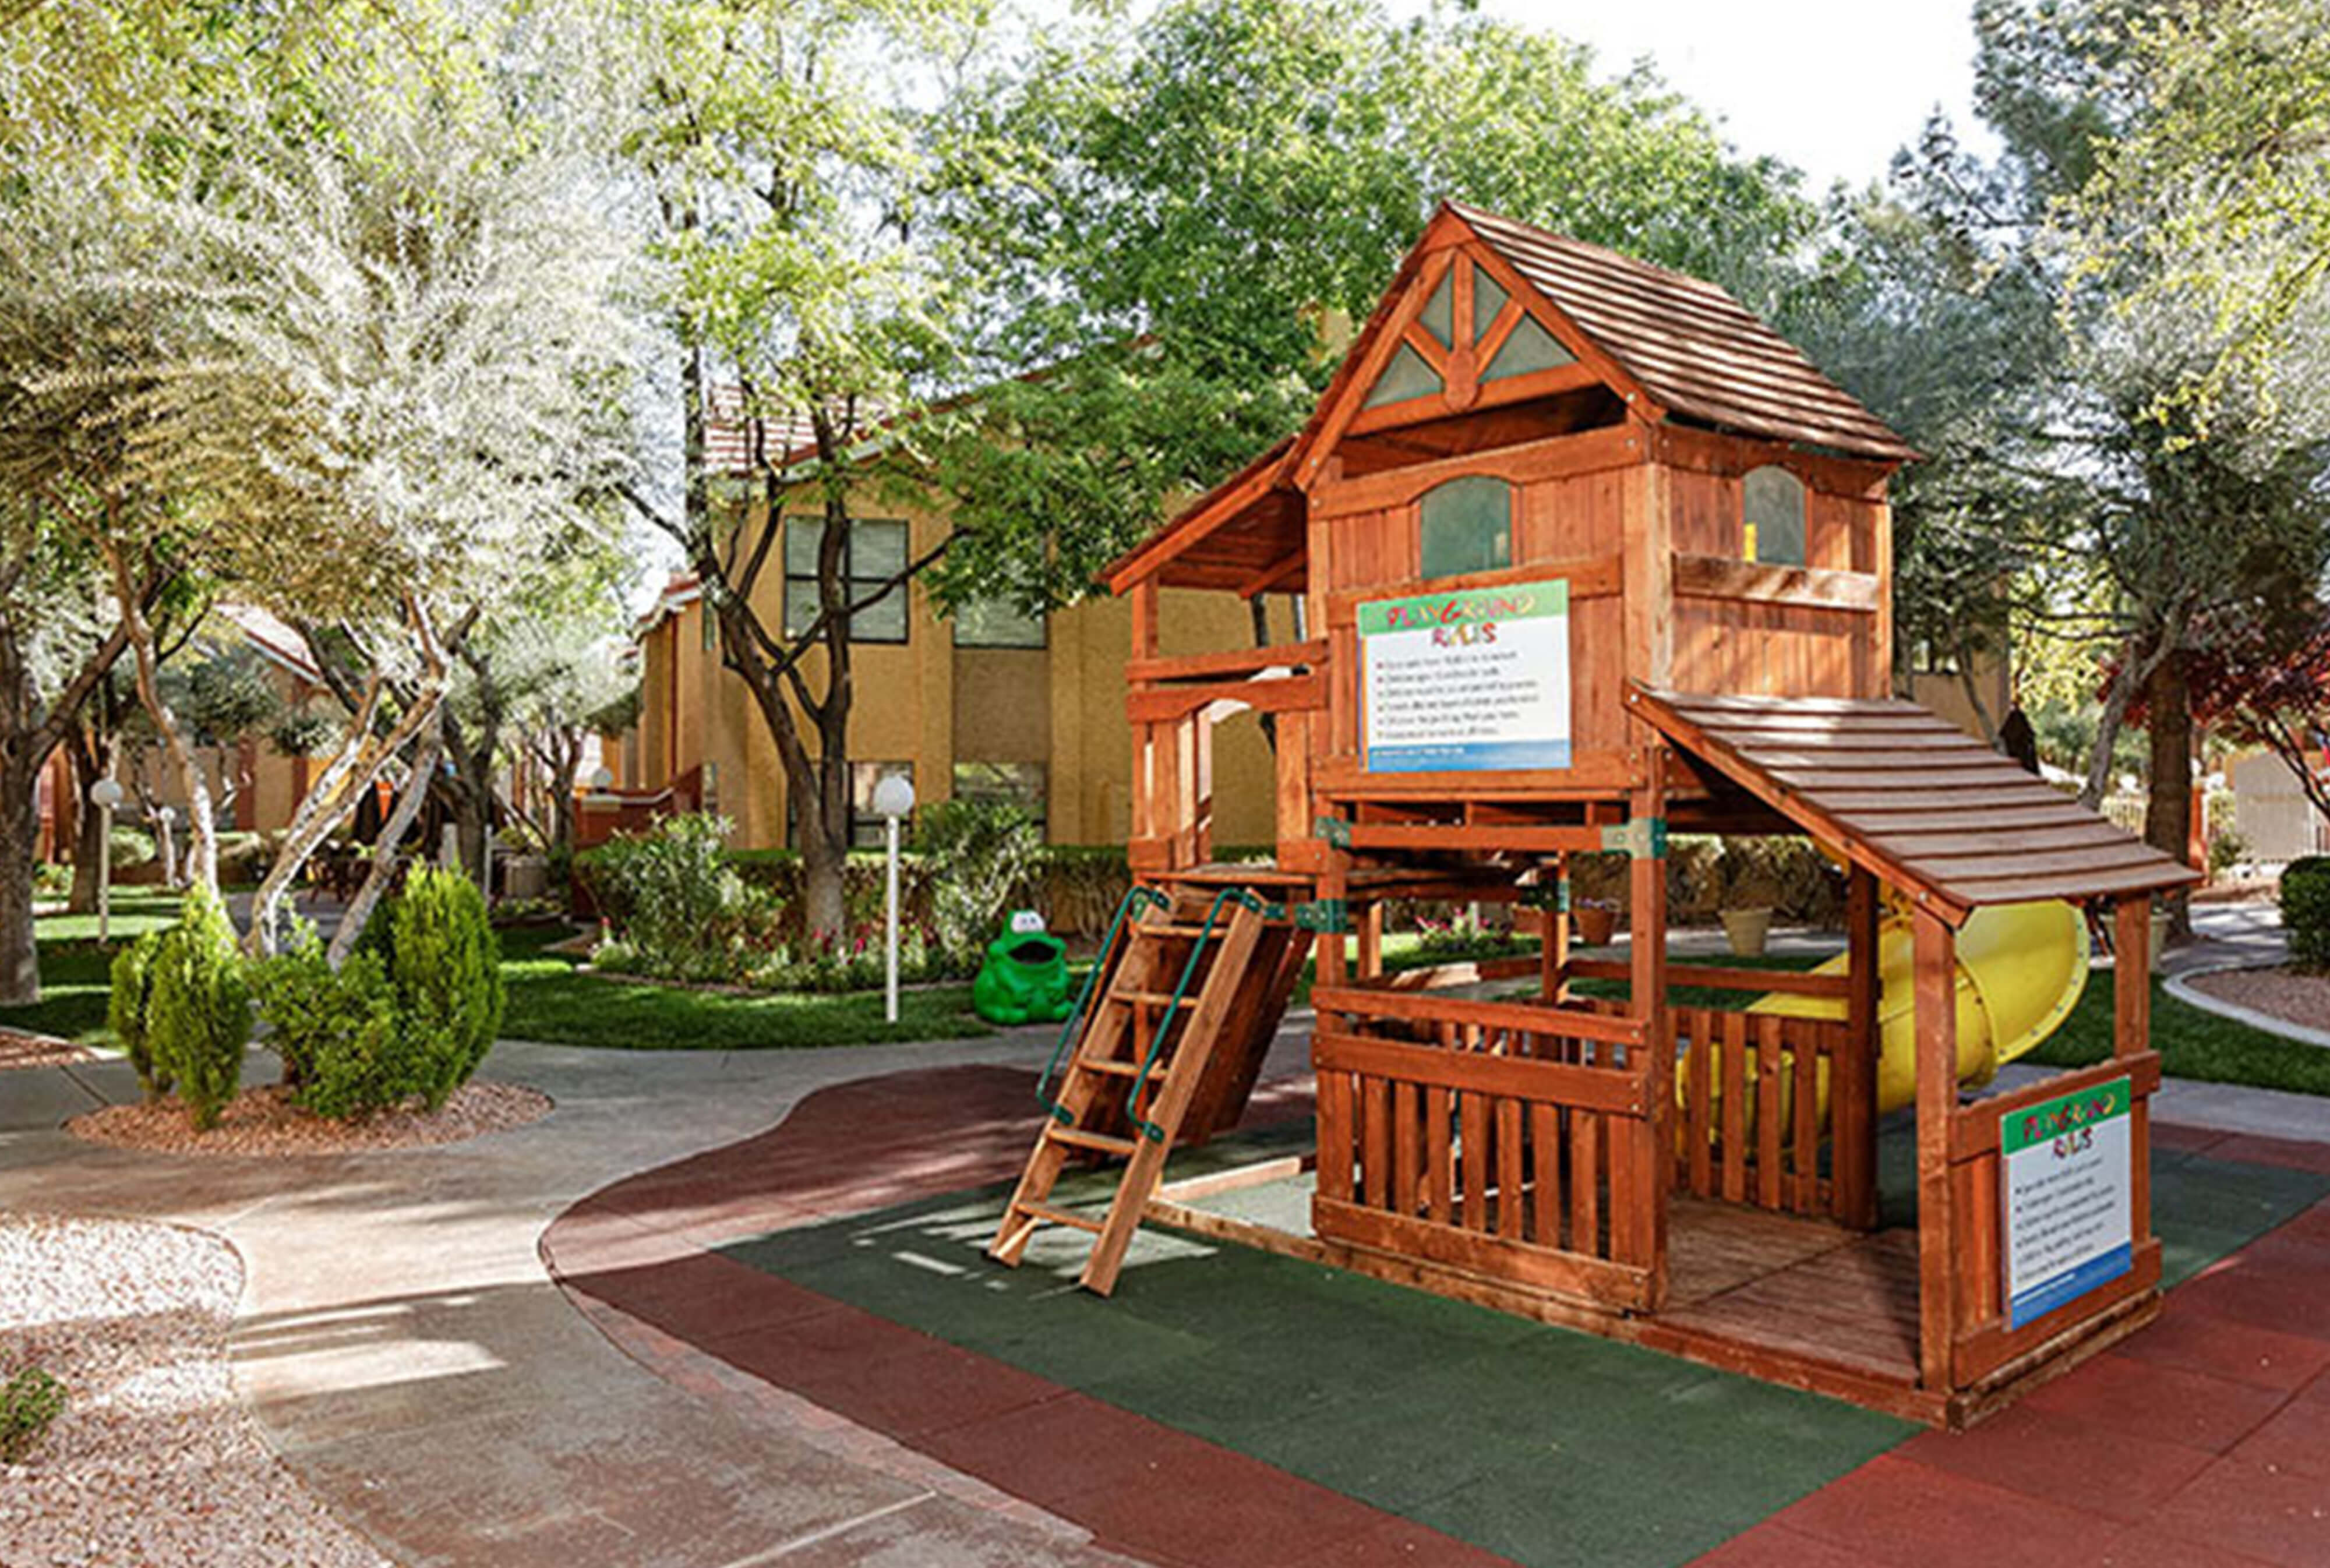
18, 1049
153, 1464
264, 1122
2280, 993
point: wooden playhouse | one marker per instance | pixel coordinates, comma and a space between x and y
1588, 556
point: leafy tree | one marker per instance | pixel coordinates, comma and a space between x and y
1186, 219
408, 384
2232, 166
2110, 521
790, 169
2265, 685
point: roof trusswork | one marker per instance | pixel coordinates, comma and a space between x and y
1910, 796
1692, 348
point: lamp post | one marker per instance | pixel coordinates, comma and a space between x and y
105, 795
894, 796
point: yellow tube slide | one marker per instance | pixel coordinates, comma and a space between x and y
2021, 970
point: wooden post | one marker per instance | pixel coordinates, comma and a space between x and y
2131, 1036
1366, 924
1852, 1092
1143, 598
2132, 975
1553, 943
1937, 1098
1647, 950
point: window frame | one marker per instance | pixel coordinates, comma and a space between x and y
851, 582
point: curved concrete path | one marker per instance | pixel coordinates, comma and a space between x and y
402, 1344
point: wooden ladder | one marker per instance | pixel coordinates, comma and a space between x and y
1164, 1005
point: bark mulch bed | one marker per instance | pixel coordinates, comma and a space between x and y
18, 1049
2281, 993
264, 1122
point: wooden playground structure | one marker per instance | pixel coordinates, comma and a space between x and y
1589, 555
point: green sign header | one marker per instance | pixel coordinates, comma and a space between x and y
2066, 1113
1466, 606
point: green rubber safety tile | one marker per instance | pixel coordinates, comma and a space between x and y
1579, 1512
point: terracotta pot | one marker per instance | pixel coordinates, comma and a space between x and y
1594, 927
1746, 929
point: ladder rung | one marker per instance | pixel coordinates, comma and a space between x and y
1077, 1138
1049, 1216
1117, 1069
1155, 998
1178, 928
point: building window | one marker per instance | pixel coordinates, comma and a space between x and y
875, 552
711, 626
1930, 656
865, 822
1019, 784
1772, 501
995, 623
1466, 526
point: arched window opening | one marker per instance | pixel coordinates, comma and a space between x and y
1467, 526
1772, 501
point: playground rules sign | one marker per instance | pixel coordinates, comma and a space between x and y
1469, 679
2066, 1179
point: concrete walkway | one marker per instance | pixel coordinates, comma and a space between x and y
402, 1347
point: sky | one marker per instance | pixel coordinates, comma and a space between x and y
1830, 86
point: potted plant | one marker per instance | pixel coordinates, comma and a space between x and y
1747, 931
1596, 922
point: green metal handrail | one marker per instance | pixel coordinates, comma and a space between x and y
1136, 899
1251, 900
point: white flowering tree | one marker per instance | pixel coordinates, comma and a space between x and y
69, 495
406, 388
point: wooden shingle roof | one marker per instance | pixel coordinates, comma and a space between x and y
1692, 348
1911, 797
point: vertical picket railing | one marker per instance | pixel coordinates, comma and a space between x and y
1509, 1140
1754, 1092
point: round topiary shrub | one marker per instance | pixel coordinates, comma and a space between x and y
197, 1014
2305, 910
337, 1031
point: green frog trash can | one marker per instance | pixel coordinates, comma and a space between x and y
1025, 979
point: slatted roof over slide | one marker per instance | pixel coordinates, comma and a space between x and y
1912, 797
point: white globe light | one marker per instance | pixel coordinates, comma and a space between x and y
105, 793
893, 795
602, 777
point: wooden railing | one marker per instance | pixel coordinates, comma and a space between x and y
1766, 1115
1755, 1093
1174, 702
1513, 1142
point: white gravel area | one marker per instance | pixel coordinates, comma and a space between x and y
154, 1464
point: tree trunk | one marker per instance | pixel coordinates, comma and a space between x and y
92, 759
202, 827
2168, 811
20, 833
384, 855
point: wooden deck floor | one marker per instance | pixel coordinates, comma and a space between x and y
1801, 1287
1793, 1300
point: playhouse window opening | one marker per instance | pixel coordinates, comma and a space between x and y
1466, 526
1772, 506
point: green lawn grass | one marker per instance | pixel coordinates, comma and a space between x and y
549, 1001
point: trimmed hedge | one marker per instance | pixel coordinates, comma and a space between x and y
2305, 910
